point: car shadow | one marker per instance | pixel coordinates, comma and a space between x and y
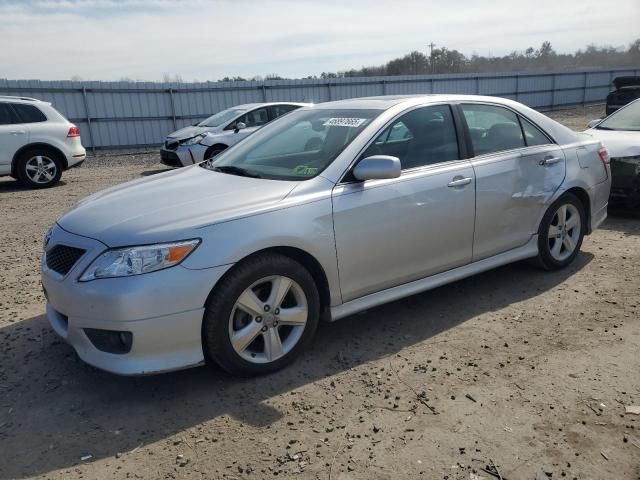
623, 220
8, 184
55, 408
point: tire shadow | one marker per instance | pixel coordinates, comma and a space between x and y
8, 184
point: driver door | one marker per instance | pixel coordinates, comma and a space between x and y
394, 231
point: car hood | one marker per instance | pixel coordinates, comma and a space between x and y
170, 206
189, 132
618, 143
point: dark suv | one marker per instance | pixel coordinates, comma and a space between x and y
627, 89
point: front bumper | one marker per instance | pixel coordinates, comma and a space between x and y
162, 310
183, 155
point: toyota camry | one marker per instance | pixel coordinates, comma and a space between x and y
325, 212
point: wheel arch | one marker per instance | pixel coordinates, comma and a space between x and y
308, 261
584, 198
213, 147
46, 146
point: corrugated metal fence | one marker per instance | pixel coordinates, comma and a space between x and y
140, 114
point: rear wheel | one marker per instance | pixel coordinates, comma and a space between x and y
561, 232
261, 316
38, 168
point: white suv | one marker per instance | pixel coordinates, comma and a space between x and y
36, 142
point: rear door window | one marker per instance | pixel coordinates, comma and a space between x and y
279, 110
492, 128
28, 113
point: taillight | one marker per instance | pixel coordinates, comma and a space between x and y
73, 131
604, 156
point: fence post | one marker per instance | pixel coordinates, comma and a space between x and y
264, 93
553, 90
173, 109
329, 87
517, 87
584, 89
384, 87
477, 82
86, 112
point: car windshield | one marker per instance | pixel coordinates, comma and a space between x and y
627, 118
297, 146
222, 117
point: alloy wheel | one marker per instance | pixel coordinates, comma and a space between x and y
41, 169
268, 319
564, 232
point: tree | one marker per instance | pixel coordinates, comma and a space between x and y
167, 78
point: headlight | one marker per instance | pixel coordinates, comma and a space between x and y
194, 140
124, 262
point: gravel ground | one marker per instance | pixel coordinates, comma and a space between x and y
522, 369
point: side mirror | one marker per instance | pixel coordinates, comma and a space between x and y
377, 167
593, 123
240, 126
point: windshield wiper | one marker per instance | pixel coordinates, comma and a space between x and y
598, 127
243, 172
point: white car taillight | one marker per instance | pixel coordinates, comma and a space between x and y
604, 156
73, 131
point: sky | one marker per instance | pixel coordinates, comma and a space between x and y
207, 40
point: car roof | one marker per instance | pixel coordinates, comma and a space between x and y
557, 131
10, 98
388, 101
249, 106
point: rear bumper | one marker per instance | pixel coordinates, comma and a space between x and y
76, 157
625, 180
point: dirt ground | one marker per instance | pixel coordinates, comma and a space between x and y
516, 368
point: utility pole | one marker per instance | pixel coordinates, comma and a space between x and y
431, 45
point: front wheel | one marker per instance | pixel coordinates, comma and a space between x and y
561, 232
261, 316
214, 151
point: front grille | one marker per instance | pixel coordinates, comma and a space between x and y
171, 144
62, 258
170, 158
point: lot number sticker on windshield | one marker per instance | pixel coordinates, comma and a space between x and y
344, 122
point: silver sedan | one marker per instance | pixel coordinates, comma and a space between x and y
329, 211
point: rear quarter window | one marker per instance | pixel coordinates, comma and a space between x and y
28, 113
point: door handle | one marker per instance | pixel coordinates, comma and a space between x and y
459, 182
17, 132
549, 160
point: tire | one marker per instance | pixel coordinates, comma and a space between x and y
38, 168
213, 151
557, 236
239, 331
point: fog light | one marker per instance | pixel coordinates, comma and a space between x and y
110, 341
